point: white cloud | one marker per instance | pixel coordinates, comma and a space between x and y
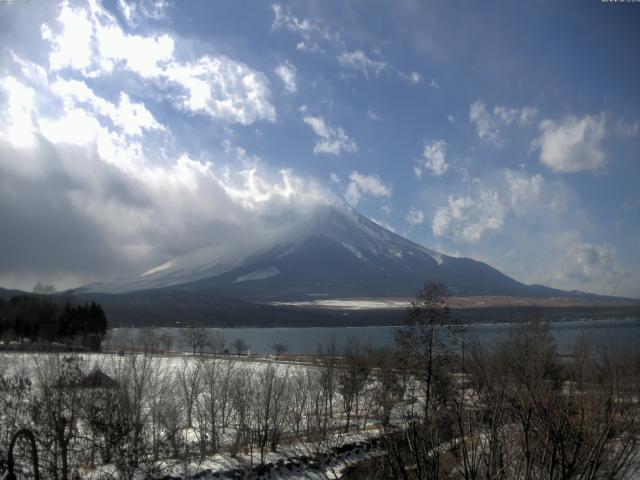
525, 192
283, 19
17, 119
572, 144
75, 127
90, 41
411, 77
139, 10
486, 126
470, 218
312, 32
627, 129
433, 84
131, 117
366, 185
522, 116
591, 263
527, 116
331, 140
373, 115
287, 73
72, 47
224, 89
434, 159
359, 61
488, 122
415, 216
310, 48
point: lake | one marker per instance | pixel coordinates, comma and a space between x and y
616, 332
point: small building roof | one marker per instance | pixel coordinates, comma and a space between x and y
97, 379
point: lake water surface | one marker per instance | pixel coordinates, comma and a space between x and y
616, 332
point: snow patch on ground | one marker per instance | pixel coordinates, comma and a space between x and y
345, 304
352, 249
158, 269
437, 258
258, 275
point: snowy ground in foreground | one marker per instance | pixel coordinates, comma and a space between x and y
291, 463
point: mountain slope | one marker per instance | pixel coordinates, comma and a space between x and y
335, 253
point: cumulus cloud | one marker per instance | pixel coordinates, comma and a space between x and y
287, 74
470, 218
132, 117
591, 263
89, 40
572, 144
532, 196
525, 191
359, 61
411, 77
373, 115
140, 10
415, 216
330, 140
223, 88
488, 122
312, 32
17, 121
434, 159
366, 185
486, 126
511, 198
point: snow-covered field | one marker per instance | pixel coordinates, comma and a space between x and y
202, 416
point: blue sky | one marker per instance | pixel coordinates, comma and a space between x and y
507, 132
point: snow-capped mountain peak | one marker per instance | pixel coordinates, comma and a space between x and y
333, 252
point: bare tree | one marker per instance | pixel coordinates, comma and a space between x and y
217, 341
389, 387
423, 340
196, 338
56, 412
166, 340
241, 398
239, 346
299, 399
279, 349
270, 408
190, 378
415, 447
16, 398
352, 376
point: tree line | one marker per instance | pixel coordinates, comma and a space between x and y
44, 319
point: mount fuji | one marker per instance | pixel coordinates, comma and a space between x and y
333, 253
332, 267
